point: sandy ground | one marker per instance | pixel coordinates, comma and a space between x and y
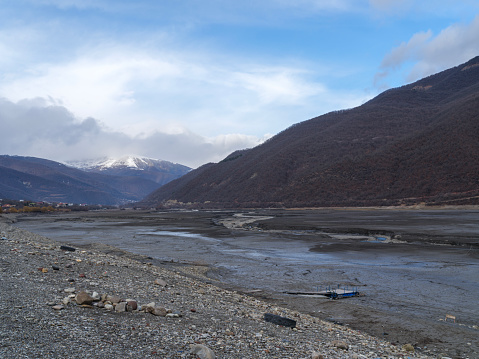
412, 267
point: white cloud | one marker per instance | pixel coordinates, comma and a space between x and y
278, 85
37, 128
405, 51
156, 89
455, 44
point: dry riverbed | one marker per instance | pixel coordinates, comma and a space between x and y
40, 314
413, 268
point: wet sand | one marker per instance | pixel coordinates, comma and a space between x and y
412, 267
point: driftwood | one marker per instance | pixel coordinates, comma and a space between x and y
276, 319
67, 248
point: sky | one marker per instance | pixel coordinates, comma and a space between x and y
191, 81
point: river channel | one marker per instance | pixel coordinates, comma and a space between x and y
403, 263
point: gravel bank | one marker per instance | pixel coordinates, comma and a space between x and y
36, 276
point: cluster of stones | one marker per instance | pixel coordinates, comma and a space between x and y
117, 304
112, 303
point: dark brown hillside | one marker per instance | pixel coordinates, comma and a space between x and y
416, 143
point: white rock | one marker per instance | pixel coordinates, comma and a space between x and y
202, 351
66, 300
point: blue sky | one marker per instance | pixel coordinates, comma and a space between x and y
191, 81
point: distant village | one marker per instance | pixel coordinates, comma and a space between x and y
25, 206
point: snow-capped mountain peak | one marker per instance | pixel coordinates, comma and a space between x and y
139, 163
130, 162
158, 171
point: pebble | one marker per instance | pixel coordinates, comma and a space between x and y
160, 282
96, 297
408, 348
66, 300
114, 299
173, 315
58, 307
340, 344
120, 307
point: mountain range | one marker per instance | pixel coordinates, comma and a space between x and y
105, 181
415, 144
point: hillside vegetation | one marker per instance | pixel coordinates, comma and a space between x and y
413, 144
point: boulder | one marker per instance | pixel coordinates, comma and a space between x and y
159, 311
131, 305
84, 298
148, 308
202, 351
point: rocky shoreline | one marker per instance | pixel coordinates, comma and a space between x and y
89, 303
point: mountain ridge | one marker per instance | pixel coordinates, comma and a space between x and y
407, 145
23, 177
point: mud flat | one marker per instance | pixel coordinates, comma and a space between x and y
413, 267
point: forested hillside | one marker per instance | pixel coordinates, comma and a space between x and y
413, 144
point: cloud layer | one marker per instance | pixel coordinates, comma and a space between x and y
51, 131
429, 53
